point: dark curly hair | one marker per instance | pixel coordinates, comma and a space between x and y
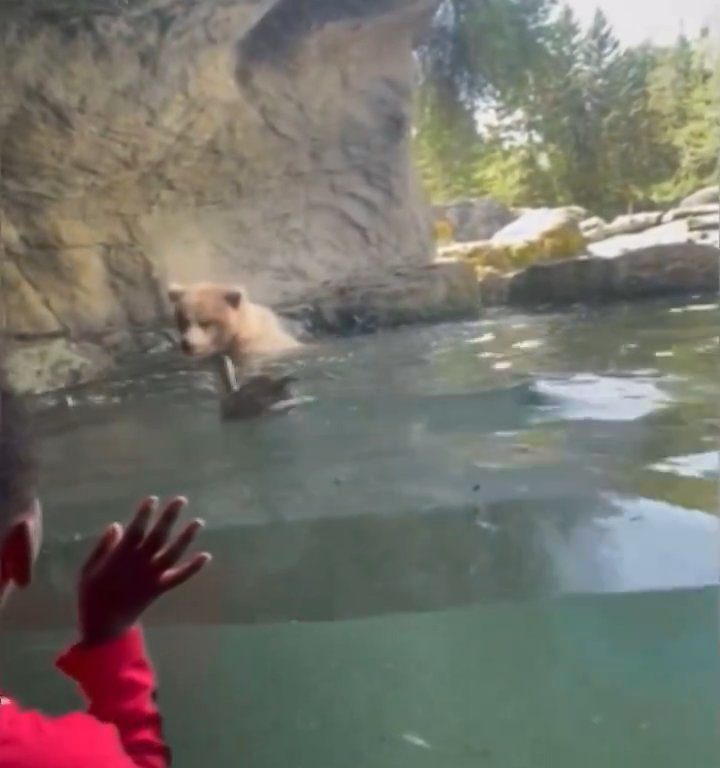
18, 459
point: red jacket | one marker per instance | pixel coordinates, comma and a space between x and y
122, 728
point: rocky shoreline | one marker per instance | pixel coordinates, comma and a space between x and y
447, 290
565, 256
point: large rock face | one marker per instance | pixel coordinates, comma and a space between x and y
263, 141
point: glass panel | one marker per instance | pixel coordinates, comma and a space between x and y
449, 406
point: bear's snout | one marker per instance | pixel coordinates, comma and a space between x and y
186, 347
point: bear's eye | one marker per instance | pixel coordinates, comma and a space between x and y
205, 324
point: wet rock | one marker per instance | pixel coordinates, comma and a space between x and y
44, 366
660, 270
446, 290
665, 270
708, 195
494, 288
575, 281
467, 220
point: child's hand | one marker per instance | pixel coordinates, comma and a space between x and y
128, 570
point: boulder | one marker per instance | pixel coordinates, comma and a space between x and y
708, 221
632, 222
593, 229
470, 220
576, 212
678, 231
44, 366
685, 212
584, 280
545, 233
445, 290
538, 235
494, 288
660, 270
706, 196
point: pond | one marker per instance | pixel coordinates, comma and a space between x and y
491, 543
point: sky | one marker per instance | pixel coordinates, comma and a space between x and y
657, 20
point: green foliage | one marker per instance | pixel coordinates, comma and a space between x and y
684, 91
518, 102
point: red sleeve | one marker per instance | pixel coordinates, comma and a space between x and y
122, 728
119, 683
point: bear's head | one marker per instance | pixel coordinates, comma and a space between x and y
208, 317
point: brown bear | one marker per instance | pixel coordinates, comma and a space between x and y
221, 320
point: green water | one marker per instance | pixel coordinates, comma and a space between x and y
482, 544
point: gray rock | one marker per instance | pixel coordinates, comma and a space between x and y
594, 230
709, 222
44, 366
704, 196
709, 209
576, 212
537, 222
592, 223
477, 219
494, 289
706, 237
446, 290
584, 280
672, 232
661, 270
632, 222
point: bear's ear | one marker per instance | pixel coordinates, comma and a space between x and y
175, 292
234, 297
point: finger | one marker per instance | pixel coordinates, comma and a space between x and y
108, 542
158, 536
177, 576
135, 532
176, 549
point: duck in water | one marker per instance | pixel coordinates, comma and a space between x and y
259, 394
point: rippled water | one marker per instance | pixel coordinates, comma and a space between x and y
537, 454
518, 457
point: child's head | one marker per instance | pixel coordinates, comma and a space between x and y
20, 513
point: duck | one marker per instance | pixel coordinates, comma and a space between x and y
257, 395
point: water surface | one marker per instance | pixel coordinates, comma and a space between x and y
492, 507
